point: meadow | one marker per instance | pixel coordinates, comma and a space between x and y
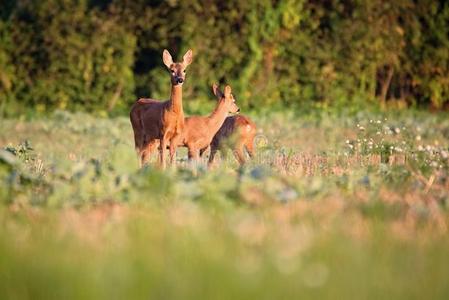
334, 206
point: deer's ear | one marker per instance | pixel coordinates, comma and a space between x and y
217, 91
227, 91
187, 58
167, 59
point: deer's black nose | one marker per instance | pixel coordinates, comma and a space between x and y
180, 80
238, 110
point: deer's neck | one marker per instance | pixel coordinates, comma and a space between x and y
217, 117
176, 99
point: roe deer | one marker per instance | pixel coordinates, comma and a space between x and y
237, 132
200, 130
153, 120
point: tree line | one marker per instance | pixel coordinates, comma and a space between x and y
101, 55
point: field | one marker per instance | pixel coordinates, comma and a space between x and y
353, 206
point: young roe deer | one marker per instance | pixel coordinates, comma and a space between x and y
237, 133
154, 121
200, 130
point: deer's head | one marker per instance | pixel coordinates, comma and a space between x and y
226, 98
177, 69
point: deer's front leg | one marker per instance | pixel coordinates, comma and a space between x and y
173, 152
162, 150
213, 152
194, 155
203, 150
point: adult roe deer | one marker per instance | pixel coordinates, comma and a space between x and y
153, 120
200, 130
237, 133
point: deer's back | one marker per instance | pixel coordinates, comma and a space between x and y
141, 106
196, 132
150, 112
240, 125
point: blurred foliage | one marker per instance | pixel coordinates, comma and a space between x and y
100, 55
340, 217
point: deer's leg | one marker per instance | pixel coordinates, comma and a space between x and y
140, 149
174, 144
145, 154
203, 150
239, 154
138, 140
172, 155
213, 152
138, 145
162, 151
194, 155
214, 146
142, 157
138, 135
172, 150
249, 145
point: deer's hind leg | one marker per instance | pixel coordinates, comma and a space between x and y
213, 152
239, 153
249, 146
148, 149
138, 134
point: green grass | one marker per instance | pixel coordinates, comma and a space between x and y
327, 210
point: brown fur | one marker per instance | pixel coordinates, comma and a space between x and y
238, 133
200, 130
154, 121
